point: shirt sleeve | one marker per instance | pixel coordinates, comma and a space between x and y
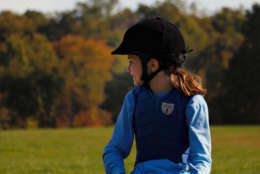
121, 142
199, 158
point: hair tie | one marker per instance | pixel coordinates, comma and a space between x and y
175, 71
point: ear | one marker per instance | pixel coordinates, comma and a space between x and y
153, 65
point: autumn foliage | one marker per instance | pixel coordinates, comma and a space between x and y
85, 65
57, 70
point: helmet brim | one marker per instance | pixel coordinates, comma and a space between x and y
121, 50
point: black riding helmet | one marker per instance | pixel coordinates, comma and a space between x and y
154, 38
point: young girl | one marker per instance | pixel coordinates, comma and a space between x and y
165, 112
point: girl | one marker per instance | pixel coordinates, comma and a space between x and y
165, 112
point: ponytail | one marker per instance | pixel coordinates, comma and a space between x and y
188, 83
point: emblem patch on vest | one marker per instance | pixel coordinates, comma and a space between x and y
167, 108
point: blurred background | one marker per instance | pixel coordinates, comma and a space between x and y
56, 69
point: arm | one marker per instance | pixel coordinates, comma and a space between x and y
121, 142
199, 159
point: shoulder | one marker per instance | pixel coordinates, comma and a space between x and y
197, 100
134, 92
197, 106
130, 96
197, 115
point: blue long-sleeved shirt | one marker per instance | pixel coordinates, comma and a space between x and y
197, 160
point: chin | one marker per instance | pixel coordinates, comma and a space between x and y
138, 83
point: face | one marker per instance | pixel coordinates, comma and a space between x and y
135, 69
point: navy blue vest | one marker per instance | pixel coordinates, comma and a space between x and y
159, 135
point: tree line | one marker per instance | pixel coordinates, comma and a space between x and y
57, 71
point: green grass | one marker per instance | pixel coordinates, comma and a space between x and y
236, 150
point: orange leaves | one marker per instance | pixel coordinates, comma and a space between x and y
69, 45
226, 56
92, 53
94, 117
99, 55
85, 65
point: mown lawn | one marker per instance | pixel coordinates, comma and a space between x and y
236, 150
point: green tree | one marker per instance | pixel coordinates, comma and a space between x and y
241, 101
38, 19
115, 91
167, 10
220, 39
28, 66
11, 23
228, 20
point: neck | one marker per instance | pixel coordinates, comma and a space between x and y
161, 83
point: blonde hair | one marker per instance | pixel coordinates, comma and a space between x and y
190, 84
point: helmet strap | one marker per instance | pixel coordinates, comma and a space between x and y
146, 78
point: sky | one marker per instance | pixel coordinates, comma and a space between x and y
49, 6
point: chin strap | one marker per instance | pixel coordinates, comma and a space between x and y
169, 60
146, 78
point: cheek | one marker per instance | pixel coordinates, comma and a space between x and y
140, 70
131, 68
128, 68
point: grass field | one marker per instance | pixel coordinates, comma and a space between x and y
236, 150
